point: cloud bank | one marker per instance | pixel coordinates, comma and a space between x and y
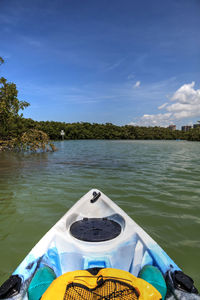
186, 104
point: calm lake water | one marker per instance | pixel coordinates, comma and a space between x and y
156, 182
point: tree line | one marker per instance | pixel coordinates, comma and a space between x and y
108, 131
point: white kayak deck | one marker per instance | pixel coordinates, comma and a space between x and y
130, 250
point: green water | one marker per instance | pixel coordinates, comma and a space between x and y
155, 182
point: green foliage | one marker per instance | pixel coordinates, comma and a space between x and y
85, 130
34, 140
15, 134
194, 134
10, 105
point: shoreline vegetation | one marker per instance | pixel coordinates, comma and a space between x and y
13, 135
26, 134
21, 134
31, 141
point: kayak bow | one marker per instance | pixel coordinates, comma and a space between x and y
96, 232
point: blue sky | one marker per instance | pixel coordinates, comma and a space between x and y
124, 62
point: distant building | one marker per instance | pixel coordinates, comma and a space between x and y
172, 127
186, 128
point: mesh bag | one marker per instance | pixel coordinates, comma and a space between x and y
107, 284
104, 290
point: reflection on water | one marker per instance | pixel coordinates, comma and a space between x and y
156, 182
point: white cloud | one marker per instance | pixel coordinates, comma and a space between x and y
186, 93
163, 105
153, 120
186, 105
187, 102
137, 84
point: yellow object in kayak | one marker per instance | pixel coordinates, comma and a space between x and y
107, 284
